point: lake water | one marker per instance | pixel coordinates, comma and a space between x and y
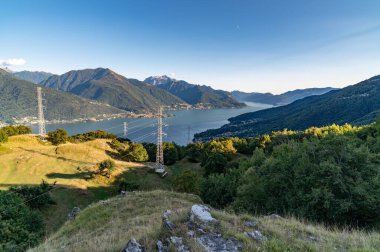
176, 128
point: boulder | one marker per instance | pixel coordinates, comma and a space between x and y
178, 244
165, 220
161, 247
73, 214
256, 235
200, 213
275, 216
216, 243
133, 246
250, 223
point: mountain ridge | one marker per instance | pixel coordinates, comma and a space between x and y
357, 103
33, 76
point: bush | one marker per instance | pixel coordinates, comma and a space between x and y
136, 153
3, 136
106, 167
58, 136
126, 184
214, 163
16, 130
35, 197
170, 153
92, 135
187, 181
335, 180
20, 227
194, 152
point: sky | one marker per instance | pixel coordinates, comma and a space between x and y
248, 45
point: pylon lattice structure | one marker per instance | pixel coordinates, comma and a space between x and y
159, 167
41, 117
125, 129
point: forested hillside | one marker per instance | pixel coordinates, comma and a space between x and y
18, 100
354, 104
109, 87
194, 94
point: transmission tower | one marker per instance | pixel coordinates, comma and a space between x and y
188, 133
160, 168
41, 118
125, 129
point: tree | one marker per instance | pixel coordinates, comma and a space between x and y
195, 152
35, 197
58, 136
136, 153
214, 163
106, 167
20, 227
151, 149
3, 136
170, 153
187, 181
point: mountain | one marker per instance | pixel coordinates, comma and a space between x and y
104, 85
281, 99
35, 77
357, 104
18, 100
194, 94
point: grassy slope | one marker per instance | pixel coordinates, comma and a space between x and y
108, 225
25, 160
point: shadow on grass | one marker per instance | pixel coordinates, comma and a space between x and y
79, 175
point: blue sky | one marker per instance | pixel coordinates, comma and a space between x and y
256, 45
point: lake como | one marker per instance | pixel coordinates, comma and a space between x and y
179, 129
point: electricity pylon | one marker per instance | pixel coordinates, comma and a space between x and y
41, 117
159, 167
125, 129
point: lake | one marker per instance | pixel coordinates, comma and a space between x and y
180, 128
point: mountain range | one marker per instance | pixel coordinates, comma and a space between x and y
35, 77
195, 94
18, 100
357, 104
281, 99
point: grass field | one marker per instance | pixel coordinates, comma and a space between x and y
108, 225
24, 160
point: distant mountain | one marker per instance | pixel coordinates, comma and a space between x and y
194, 94
109, 87
282, 99
18, 100
35, 77
357, 104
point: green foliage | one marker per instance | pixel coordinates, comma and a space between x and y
170, 153
3, 136
128, 184
187, 181
106, 167
20, 227
58, 136
92, 135
13, 130
194, 152
335, 179
35, 197
136, 153
219, 190
151, 149
214, 163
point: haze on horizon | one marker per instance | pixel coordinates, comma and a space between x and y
259, 46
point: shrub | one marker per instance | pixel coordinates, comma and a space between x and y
214, 163
187, 181
16, 130
20, 227
136, 153
58, 136
106, 167
3, 136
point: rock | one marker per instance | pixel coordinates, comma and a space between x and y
275, 216
177, 242
123, 193
73, 214
190, 233
134, 246
165, 219
250, 223
201, 213
161, 247
311, 238
256, 235
216, 243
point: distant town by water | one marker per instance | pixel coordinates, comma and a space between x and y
179, 129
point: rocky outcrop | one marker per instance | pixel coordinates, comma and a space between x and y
200, 213
178, 244
73, 214
166, 221
212, 242
133, 246
256, 235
